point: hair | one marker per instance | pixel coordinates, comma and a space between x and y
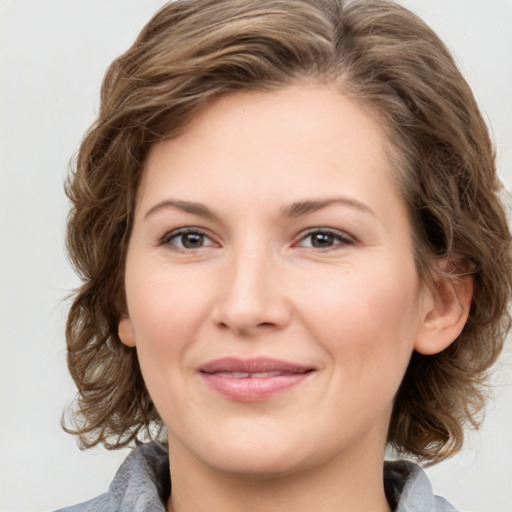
393, 65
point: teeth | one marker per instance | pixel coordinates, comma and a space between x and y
245, 375
266, 374
236, 375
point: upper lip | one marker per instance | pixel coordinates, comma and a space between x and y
252, 365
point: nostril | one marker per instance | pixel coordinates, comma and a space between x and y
246, 310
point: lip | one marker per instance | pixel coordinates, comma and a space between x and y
252, 380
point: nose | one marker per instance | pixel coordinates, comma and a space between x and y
251, 297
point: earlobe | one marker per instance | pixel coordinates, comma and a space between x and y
446, 315
125, 332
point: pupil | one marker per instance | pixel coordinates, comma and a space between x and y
192, 240
322, 240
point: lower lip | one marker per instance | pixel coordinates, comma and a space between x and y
253, 389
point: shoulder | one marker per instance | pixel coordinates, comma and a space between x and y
409, 488
98, 504
142, 484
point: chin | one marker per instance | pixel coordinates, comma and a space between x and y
259, 463
259, 454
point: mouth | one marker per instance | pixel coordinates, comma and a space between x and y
250, 380
254, 375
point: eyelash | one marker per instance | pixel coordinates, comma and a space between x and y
337, 239
341, 239
168, 237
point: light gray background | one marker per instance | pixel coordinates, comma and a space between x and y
52, 57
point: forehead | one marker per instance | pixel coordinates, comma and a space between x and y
271, 139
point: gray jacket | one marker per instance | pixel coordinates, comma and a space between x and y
142, 484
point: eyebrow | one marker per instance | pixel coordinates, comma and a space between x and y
309, 206
186, 206
296, 209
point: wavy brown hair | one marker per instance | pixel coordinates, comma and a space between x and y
375, 52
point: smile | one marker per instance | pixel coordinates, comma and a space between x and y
255, 375
252, 380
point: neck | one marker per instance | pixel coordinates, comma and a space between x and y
337, 486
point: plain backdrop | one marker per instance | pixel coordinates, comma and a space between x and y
53, 54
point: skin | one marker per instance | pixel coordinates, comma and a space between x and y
254, 281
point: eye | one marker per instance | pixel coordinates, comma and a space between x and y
188, 239
324, 239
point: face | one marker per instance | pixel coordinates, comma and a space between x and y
272, 293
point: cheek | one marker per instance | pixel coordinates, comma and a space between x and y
166, 313
165, 308
366, 323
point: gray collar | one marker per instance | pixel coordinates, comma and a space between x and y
142, 484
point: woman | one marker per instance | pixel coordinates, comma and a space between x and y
293, 254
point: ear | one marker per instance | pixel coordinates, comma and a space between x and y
125, 331
446, 313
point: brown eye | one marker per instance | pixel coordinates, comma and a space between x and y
187, 239
320, 240
325, 239
191, 240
